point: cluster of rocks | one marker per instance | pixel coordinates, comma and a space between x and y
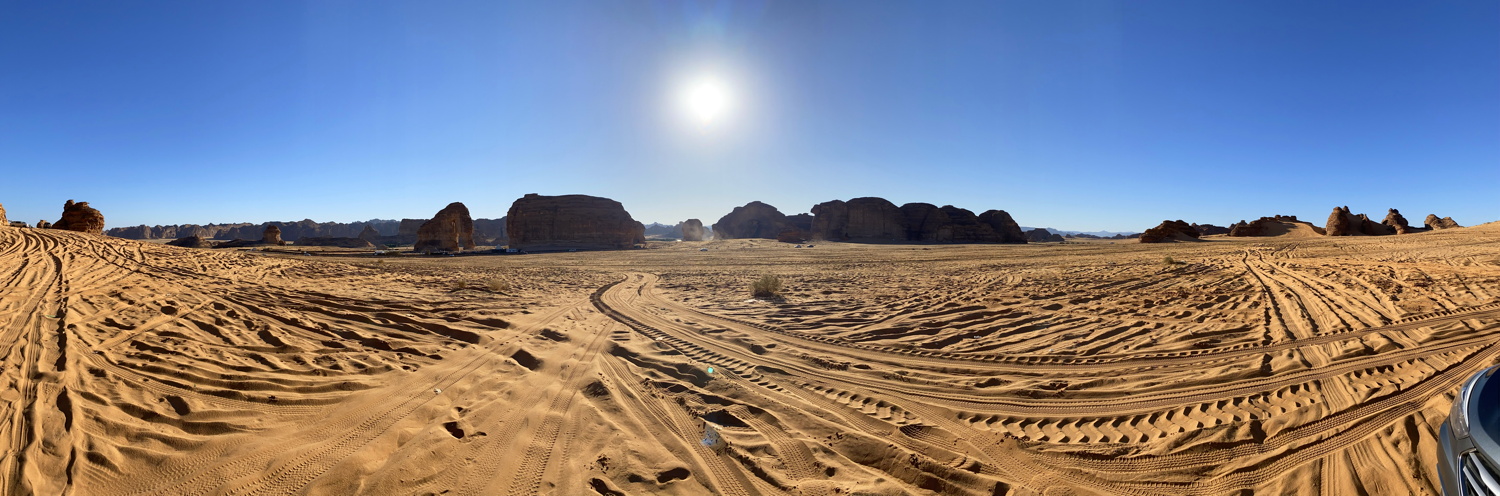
870, 220
570, 222
1342, 222
1170, 230
1209, 229
1268, 226
387, 232
1040, 235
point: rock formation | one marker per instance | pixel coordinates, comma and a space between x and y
272, 236
371, 235
754, 220
1344, 223
537, 222
43, 224
1170, 230
490, 232
877, 220
1271, 226
1395, 222
450, 230
1040, 235
80, 217
1434, 223
337, 242
191, 242
1209, 229
692, 230
3, 222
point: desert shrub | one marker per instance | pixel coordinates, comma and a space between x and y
497, 285
1171, 261
458, 285
768, 286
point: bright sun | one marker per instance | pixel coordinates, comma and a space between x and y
706, 100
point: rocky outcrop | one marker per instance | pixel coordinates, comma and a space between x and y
450, 230
1170, 230
1040, 235
1271, 226
872, 219
80, 217
692, 230
1344, 223
272, 236
371, 235
235, 243
335, 242
537, 222
1209, 229
1434, 223
3, 222
1395, 222
754, 220
43, 224
191, 242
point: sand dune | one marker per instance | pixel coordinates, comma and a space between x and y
1293, 365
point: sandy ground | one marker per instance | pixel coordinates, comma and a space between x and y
1278, 366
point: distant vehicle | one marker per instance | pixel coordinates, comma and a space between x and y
571, 250
798, 246
703, 249
511, 250
1470, 439
809, 246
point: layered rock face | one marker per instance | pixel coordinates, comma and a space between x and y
1170, 230
272, 236
692, 230
754, 220
1040, 235
332, 241
1434, 223
877, 220
191, 242
80, 217
537, 222
450, 230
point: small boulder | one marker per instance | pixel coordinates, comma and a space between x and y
272, 236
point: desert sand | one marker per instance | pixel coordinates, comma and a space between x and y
1288, 365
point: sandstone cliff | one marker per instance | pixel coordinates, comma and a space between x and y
80, 217
754, 220
537, 222
450, 230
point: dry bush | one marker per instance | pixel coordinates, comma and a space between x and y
458, 285
768, 286
498, 286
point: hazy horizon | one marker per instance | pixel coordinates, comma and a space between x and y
1090, 117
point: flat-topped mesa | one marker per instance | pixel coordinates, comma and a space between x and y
1170, 230
1434, 223
875, 220
272, 236
80, 217
450, 230
754, 220
538, 222
692, 230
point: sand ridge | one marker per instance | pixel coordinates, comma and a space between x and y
1277, 365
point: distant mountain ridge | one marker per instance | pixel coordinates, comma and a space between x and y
1102, 234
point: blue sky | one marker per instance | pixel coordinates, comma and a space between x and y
1076, 115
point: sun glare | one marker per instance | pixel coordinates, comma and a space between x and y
706, 100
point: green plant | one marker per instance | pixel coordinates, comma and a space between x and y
768, 286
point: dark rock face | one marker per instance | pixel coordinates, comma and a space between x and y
1040, 235
1170, 230
43, 224
371, 235
337, 242
754, 220
1434, 223
235, 243
692, 230
191, 242
490, 231
272, 236
450, 230
80, 217
1342, 223
1208, 229
877, 220
539, 222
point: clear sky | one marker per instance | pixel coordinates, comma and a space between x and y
1079, 115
